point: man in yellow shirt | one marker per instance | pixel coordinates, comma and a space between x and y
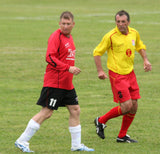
121, 44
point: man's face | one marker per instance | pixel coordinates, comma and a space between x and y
66, 26
122, 23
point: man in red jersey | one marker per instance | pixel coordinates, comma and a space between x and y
58, 89
120, 44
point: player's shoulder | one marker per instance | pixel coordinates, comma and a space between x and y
55, 35
133, 30
113, 31
110, 33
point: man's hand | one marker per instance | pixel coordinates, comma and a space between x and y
147, 66
102, 75
74, 70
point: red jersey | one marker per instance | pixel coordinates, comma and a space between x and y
60, 56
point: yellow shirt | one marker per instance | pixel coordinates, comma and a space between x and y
120, 50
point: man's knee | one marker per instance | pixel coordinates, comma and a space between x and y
134, 107
126, 106
46, 113
74, 110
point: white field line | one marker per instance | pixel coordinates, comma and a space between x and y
136, 22
45, 18
29, 18
111, 14
22, 53
21, 50
86, 15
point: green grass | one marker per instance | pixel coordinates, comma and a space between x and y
25, 26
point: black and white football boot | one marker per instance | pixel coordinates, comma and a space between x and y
99, 128
126, 139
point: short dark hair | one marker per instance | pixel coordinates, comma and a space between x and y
121, 13
67, 15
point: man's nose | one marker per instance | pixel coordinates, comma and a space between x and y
120, 23
65, 25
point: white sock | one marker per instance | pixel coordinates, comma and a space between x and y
30, 130
75, 136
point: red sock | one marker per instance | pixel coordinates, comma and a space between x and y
126, 122
114, 112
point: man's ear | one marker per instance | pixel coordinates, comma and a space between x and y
129, 22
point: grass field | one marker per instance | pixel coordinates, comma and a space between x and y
25, 26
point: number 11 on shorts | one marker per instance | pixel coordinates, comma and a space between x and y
52, 102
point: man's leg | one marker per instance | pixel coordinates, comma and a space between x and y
127, 121
32, 127
74, 124
75, 129
114, 112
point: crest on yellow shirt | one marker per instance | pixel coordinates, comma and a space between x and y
128, 52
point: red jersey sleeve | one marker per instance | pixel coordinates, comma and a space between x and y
52, 55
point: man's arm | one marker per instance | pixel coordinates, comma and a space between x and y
101, 73
52, 53
56, 63
147, 64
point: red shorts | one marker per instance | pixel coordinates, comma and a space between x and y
124, 87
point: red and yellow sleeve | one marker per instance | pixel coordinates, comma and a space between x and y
139, 44
102, 46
